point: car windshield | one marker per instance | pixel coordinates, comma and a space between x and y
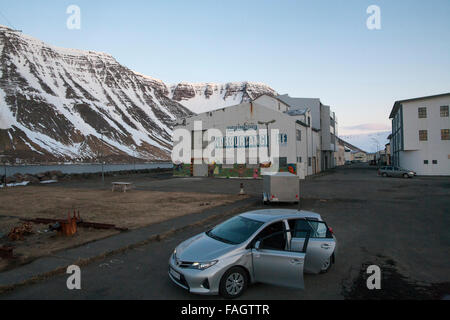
235, 230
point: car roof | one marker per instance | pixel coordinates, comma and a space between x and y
267, 215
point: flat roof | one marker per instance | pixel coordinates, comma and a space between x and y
399, 102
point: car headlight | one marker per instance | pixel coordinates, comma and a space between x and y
203, 265
174, 254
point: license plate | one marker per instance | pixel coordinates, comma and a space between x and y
175, 274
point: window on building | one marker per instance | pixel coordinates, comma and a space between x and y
445, 134
283, 161
425, 161
422, 112
309, 162
434, 161
423, 135
444, 111
299, 159
299, 135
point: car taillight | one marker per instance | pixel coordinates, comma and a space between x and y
331, 230
273, 196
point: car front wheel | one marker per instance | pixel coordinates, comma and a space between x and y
233, 283
384, 175
406, 176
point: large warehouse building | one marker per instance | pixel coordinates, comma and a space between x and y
300, 148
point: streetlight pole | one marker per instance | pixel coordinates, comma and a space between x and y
266, 123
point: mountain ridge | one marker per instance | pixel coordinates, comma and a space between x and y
59, 104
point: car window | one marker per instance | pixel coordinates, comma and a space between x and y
318, 229
301, 224
235, 230
273, 237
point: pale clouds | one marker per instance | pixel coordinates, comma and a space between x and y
364, 128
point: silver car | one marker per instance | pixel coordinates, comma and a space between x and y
270, 246
391, 171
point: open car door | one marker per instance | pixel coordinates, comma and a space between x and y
276, 266
321, 243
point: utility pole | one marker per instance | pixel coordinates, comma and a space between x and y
134, 157
4, 166
101, 158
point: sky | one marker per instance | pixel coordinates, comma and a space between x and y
316, 48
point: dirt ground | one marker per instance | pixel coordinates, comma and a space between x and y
130, 210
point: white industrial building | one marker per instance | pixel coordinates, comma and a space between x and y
325, 123
300, 143
421, 135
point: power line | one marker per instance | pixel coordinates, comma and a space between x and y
7, 21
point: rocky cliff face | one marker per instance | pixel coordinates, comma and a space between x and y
56, 104
61, 104
203, 97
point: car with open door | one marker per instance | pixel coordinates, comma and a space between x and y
269, 246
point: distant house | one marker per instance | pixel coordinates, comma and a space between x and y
421, 134
360, 156
387, 150
348, 155
339, 155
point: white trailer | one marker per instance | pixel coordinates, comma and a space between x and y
281, 187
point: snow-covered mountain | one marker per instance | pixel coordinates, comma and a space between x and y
57, 104
369, 142
203, 97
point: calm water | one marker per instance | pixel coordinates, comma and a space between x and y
81, 168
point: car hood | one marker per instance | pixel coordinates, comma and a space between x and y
202, 248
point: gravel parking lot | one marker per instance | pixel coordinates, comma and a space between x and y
399, 224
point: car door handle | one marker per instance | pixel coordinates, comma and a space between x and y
296, 261
325, 246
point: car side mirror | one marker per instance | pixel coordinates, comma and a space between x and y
257, 245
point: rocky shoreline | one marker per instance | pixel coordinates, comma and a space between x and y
57, 175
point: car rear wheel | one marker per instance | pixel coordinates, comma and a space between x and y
233, 283
384, 174
327, 264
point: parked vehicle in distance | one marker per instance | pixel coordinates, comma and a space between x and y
270, 246
392, 171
